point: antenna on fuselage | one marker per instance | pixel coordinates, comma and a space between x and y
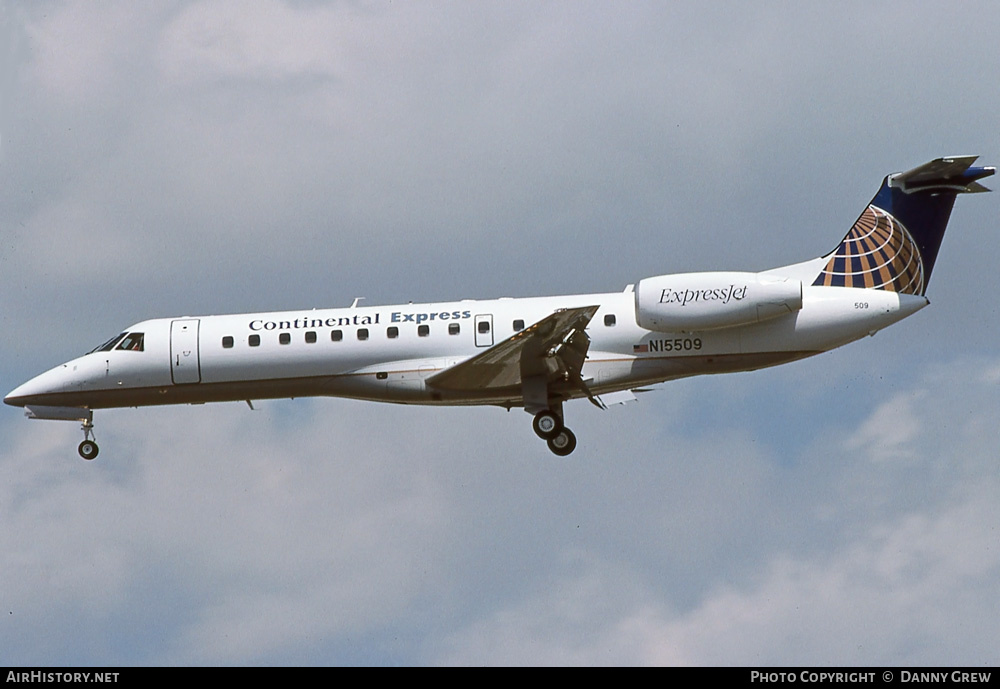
356, 300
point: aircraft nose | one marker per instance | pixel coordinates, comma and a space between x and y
38, 389
24, 394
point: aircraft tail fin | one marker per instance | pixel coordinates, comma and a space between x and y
895, 242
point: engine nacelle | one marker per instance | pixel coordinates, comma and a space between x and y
705, 301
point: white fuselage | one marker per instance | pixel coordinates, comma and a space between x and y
387, 353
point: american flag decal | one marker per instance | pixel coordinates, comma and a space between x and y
640, 348
878, 253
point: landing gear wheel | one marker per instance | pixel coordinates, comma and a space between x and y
88, 449
563, 443
547, 424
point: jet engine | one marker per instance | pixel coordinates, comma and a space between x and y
706, 301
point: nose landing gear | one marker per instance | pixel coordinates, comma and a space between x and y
88, 448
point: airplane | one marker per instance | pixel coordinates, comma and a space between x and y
535, 353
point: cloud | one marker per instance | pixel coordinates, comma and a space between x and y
901, 582
906, 594
81, 54
272, 541
207, 41
220, 535
890, 432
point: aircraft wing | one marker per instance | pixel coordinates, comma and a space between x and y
554, 347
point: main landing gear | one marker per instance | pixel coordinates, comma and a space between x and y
548, 425
88, 448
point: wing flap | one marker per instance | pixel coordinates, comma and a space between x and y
610, 399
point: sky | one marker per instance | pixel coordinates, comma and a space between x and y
212, 156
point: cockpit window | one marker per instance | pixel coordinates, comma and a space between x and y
109, 345
131, 343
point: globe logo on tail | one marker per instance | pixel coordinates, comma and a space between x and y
878, 253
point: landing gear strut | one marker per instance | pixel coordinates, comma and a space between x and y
548, 425
88, 448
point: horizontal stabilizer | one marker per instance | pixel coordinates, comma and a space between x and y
954, 173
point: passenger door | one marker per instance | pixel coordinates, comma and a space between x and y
185, 364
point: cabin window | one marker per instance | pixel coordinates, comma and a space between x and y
519, 325
310, 336
454, 328
227, 342
392, 332
362, 333
483, 327
284, 338
423, 330
381, 375
254, 340
131, 343
609, 320
336, 335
